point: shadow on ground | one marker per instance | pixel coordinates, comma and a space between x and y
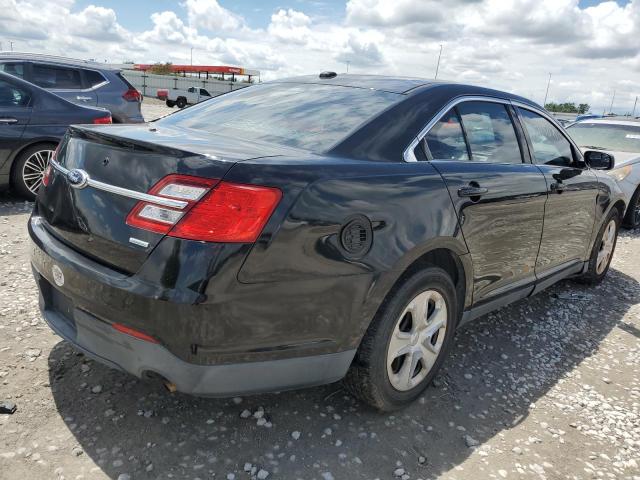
514, 355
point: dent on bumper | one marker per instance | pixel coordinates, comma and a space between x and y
100, 341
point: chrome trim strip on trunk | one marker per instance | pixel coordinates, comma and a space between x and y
125, 192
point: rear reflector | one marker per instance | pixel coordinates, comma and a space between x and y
102, 120
134, 333
215, 212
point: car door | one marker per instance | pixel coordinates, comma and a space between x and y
498, 194
573, 190
15, 113
66, 82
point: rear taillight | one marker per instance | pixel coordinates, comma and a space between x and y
134, 333
46, 177
102, 120
215, 211
132, 95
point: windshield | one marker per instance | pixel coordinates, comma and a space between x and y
621, 138
308, 116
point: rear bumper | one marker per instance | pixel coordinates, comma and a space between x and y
117, 350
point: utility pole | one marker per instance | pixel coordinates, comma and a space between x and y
633, 114
438, 64
348, 62
547, 92
11, 45
612, 99
192, 56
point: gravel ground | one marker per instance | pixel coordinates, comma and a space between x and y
546, 388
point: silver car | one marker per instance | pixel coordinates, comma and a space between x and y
619, 137
85, 83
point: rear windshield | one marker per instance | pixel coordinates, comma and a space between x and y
312, 117
621, 138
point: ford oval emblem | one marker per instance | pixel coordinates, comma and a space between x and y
77, 178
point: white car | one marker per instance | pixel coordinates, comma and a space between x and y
620, 138
190, 96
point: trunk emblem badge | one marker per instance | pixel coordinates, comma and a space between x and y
58, 276
78, 178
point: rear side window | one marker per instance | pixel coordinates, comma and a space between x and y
550, 147
445, 140
51, 76
93, 78
309, 116
490, 132
16, 69
11, 96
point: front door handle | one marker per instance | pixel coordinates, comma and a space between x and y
83, 99
472, 191
8, 120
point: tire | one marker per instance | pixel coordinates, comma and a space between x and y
385, 380
181, 102
603, 249
170, 103
28, 169
632, 218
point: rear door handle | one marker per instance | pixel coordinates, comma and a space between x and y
472, 191
83, 99
8, 120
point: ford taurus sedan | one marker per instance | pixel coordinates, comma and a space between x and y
298, 232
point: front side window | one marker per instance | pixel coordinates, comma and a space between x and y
606, 136
550, 147
445, 141
14, 68
51, 76
11, 97
308, 116
490, 132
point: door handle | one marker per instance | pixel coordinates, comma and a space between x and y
472, 191
8, 120
83, 99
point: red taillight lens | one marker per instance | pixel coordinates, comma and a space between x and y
134, 333
215, 212
231, 212
132, 95
46, 178
102, 120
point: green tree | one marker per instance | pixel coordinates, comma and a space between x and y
584, 108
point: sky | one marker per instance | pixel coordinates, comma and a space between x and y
591, 48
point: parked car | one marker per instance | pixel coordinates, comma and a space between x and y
32, 122
587, 116
620, 138
85, 83
293, 233
190, 96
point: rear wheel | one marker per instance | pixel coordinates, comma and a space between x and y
602, 251
170, 103
28, 170
632, 218
181, 102
406, 343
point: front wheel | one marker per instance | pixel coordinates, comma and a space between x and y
602, 251
406, 343
632, 218
28, 171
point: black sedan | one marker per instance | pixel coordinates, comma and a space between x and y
293, 233
32, 122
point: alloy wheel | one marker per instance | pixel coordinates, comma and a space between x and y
33, 169
416, 340
606, 247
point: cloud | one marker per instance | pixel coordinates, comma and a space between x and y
360, 52
290, 26
209, 15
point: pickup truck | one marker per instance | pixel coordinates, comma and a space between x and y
182, 98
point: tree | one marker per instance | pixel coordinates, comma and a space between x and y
161, 69
567, 107
584, 108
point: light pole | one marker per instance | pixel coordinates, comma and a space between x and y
544, 104
192, 56
348, 62
438, 64
633, 113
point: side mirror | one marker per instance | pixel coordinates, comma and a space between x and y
599, 160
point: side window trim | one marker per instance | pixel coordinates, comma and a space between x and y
464, 132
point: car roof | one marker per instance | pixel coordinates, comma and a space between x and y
55, 60
397, 84
630, 121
